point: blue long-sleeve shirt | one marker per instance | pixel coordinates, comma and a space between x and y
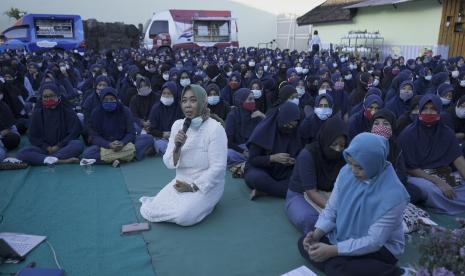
387, 231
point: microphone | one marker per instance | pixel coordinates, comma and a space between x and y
185, 127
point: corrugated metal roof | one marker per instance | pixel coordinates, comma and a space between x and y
330, 11
372, 3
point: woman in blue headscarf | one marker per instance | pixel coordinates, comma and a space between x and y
361, 121
256, 87
360, 230
423, 82
54, 130
438, 79
240, 123
234, 83
142, 103
446, 94
273, 147
430, 148
323, 110
112, 128
164, 114
314, 174
218, 107
400, 103
340, 95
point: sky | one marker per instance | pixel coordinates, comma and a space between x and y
256, 18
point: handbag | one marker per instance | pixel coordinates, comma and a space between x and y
126, 154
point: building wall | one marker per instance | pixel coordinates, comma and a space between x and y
255, 24
412, 23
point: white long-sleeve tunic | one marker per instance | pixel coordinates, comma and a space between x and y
202, 162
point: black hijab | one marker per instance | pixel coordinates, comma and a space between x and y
327, 169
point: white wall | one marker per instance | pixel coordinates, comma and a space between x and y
256, 18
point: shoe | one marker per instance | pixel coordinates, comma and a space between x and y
13, 166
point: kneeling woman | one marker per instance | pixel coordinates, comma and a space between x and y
315, 172
360, 230
54, 131
113, 133
273, 147
200, 166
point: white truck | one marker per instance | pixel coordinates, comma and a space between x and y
191, 29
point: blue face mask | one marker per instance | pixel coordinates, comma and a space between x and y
109, 106
196, 122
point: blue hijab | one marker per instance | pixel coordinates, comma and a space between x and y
358, 123
312, 124
57, 126
161, 116
227, 93
396, 104
239, 125
429, 147
361, 204
114, 125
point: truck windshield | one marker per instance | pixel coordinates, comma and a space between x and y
158, 27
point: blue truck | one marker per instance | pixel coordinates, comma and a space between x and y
35, 32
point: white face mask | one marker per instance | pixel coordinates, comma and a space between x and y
462, 83
1, 96
167, 100
144, 91
196, 122
323, 112
265, 68
305, 70
321, 91
348, 77
295, 100
460, 112
428, 78
300, 91
301, 60
334, 65
120, 68
298, 69
251, 63
185, 82
229, 73
166, 77
257, 93
405, 95
455, 74
63, 69
445, 101
213, 100
375, 82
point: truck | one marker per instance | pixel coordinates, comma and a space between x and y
174, 29
35, 32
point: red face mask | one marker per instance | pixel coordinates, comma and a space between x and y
234, 84
429, 119
50, 103
250, 106
368, 114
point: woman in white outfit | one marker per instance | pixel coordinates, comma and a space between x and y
200, 166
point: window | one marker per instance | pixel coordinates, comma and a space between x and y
54, 28
212, 31
158, 27
17, 33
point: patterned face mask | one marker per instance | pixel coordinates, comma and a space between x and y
381, 130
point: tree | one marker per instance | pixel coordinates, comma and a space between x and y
15, 13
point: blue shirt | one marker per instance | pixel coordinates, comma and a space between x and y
387, 231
